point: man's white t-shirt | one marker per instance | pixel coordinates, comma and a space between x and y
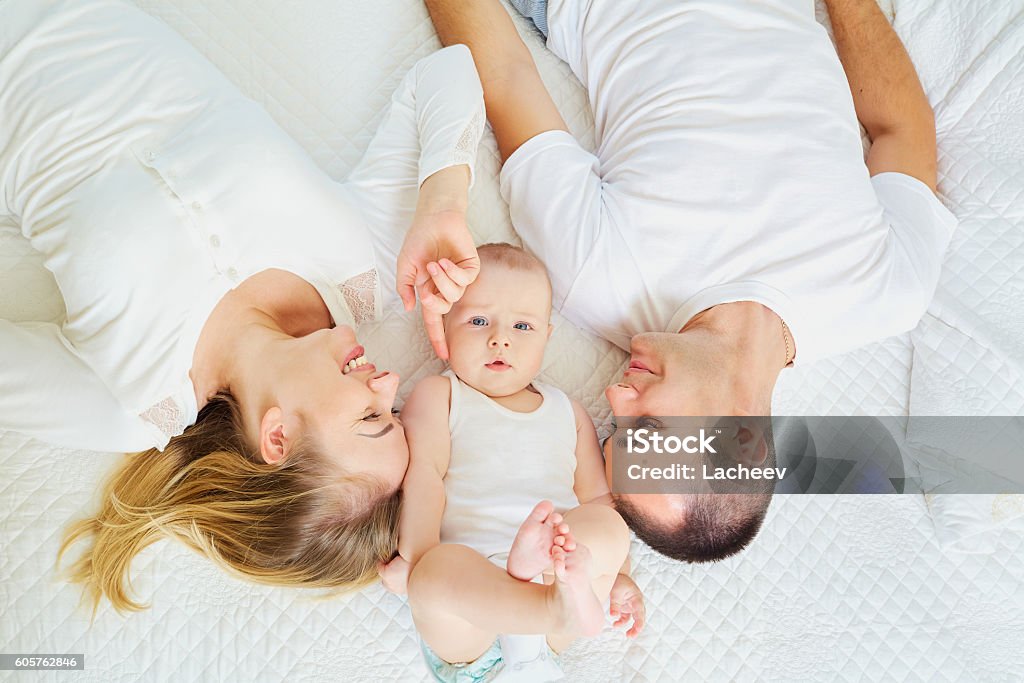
728, 167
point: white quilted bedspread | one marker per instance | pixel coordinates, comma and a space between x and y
846, 588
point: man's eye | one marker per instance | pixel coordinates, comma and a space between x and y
478, 321
523, 326
649, 423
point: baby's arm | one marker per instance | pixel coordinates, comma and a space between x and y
425, 418
626, 600
590, 486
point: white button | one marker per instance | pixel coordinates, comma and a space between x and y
215, 241
196, 206
233, 274
151, 155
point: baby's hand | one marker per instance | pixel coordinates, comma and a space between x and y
395, 575
627, 602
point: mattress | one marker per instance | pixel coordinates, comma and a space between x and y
833, 588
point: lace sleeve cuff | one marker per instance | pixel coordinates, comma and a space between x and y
449, 111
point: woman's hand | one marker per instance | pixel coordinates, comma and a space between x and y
438, 258
627, 602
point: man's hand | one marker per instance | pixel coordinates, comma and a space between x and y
438, 258
627, 602
395, 575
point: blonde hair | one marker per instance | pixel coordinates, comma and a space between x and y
294, 523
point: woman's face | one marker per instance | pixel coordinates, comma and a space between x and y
344, 407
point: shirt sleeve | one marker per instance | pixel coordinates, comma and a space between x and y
449, 110
554, 192
49, 393
435, 120
922, 226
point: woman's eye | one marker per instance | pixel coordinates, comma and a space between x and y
372, 417
478, 321
522, 326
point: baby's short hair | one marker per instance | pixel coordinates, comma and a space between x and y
510, 256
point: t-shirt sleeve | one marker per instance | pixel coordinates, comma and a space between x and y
554, 193
922, 226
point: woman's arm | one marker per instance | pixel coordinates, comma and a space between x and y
438, 258
417, 172
887, 93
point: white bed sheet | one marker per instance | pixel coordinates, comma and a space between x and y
846, 588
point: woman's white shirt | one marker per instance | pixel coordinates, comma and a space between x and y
153, 187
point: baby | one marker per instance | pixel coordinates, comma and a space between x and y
486, 442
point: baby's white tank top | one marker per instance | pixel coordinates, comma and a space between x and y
503, 463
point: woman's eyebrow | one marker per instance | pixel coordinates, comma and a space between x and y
391, 425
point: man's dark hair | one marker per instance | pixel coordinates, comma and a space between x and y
713, 526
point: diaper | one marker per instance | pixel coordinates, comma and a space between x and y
509, 659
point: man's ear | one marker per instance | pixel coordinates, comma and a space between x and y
275, 437
752, 443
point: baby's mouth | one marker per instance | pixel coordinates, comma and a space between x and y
498, 365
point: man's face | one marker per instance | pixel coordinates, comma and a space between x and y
673, 375
668, 375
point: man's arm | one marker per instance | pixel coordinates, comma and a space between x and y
887, 94
518, 105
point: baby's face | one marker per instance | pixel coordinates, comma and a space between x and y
498, 330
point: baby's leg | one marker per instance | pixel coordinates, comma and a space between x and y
602, 530
460, 601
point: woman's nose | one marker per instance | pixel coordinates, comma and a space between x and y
385, 385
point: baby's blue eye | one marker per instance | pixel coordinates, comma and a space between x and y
478, 321
522, 326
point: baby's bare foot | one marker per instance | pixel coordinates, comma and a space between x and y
576, 606
531, 551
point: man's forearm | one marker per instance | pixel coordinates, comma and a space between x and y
886, 91
518, 105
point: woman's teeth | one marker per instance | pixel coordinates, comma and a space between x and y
353, 364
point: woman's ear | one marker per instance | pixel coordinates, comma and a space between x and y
551, 328
275, 441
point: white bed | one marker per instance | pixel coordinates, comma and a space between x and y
847, 588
